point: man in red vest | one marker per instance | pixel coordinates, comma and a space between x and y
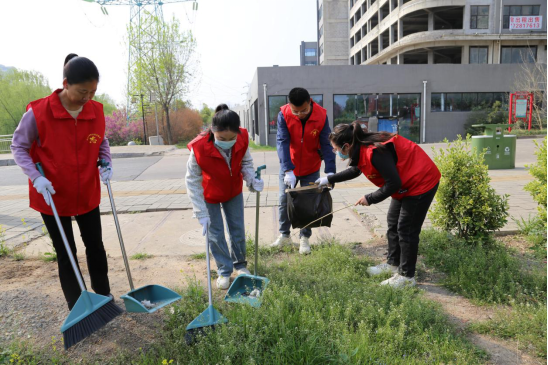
302, 142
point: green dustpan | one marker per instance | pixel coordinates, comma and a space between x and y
148, 298
208, 318
247, 289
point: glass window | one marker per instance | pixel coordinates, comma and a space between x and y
435, 102
384, 103
485, 100
310, 63
469, 100
274, 105
344, 109
478, 54
321, 30
453, 101
310, 52
320, 11
361, 105
479, 17
408, 111
526, 10
318, 99
511, 54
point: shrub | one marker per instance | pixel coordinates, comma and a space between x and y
495, 114
185, 125
465, 202
537, 188
119, 132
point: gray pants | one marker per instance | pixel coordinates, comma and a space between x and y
285, 223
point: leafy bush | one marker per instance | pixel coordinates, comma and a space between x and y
465, 202
185, 125
537, 187
119, 132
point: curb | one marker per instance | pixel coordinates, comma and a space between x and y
535, 136
11, 161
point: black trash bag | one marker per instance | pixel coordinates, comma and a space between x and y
306, 206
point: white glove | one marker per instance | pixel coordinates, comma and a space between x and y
43, 185
106, 174
290, 179
256, 186
205, 224
322, 181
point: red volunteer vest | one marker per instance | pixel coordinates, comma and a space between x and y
219, 182
68, 151
304, 145
418, 173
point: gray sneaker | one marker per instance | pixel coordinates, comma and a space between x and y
282, 241
382, 269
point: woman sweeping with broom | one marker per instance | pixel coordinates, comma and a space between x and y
402, 170
65, 133
219, 162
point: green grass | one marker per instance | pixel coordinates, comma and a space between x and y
182, 144
198, 256
255, 147
141, 256
18, 256
524, 323
525, 132
534, 230
24, 352
322, 308
485, 273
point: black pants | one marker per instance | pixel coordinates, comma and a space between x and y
405, 219
91, 233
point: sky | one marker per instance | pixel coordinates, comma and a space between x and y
234, 37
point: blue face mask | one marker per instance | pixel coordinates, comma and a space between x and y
344, 157
225, 145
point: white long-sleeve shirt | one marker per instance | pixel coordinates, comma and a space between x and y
194, 179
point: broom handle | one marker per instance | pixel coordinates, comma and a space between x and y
63, 236
258, 176
124, 255
208, 270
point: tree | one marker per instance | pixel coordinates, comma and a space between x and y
17, 89
109, 105
532, 79
207, 114
166, 65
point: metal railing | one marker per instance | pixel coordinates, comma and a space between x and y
5, 142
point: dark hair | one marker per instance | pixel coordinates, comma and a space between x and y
355, 136
79, 69
298, 96
224, 120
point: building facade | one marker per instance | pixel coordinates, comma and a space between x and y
445, 31
309, 53
332, 16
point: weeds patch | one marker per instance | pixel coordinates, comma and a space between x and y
322, 308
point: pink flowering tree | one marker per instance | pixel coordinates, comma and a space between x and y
119, 131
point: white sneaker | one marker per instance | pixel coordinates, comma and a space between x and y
223, 282
382, 269
398, 281
243, 271
282, 241
304, 248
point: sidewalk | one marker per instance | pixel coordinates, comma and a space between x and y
22, 224
6, 159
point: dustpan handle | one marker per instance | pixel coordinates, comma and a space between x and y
258, 176
63, 236
104, 163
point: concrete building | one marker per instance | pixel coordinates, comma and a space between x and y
333, 48
444, 31
309, 53
392, 97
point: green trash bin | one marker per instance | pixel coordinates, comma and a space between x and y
500, 147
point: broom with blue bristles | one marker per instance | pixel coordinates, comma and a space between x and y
91, 311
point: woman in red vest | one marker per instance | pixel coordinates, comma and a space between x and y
402, 170
219, 162
66, 133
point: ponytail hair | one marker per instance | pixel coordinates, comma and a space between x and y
224, 119
79, 69
354, 135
